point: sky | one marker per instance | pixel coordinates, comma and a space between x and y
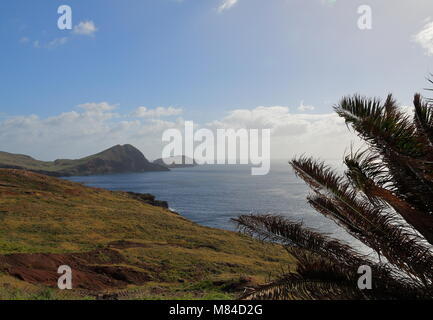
128, 70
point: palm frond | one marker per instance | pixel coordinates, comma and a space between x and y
281, 230
320, 278
376, 227
381, 128
392, 135
369, 175
424, 118
295, 287
384, 199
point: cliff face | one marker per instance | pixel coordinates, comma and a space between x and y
117, 159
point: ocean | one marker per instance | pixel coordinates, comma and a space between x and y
211, 195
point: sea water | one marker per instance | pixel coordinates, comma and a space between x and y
211, 195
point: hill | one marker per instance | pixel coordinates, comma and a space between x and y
176, 162
118, 159
117, 241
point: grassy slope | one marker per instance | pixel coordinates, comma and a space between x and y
49, 215
24, 161
115, 153
29, 163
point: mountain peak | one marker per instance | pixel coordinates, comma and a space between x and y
117, 159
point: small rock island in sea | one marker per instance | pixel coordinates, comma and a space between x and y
176, 162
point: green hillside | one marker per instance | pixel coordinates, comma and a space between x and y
116, 242
118, 159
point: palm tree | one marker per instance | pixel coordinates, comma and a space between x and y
384, 199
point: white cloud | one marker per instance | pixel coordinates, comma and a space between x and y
258, 118
143, 112
425, 38
97, 107
51, 44
329, 2
86, 28
304, 107
226, 5
90, 128
57, 42
321, 135
93, 127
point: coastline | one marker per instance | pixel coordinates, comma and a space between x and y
107, 235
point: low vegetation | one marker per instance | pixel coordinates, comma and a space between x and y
117, 159
117, 245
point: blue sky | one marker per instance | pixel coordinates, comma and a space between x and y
191, 55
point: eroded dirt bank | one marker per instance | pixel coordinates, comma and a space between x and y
99, 270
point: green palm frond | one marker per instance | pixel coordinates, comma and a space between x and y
381, 128
424, 118
376, 227
384, 199
355, 109
320, 278
281, 230
365, 168
394, 137
369, 175
295, 287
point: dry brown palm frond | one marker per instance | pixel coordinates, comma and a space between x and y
364, 170
394, 137
377, 228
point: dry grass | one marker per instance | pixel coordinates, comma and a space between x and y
49, 215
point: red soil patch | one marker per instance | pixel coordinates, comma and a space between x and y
95, 270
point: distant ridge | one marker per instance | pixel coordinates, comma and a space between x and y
176, 162
117, 159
